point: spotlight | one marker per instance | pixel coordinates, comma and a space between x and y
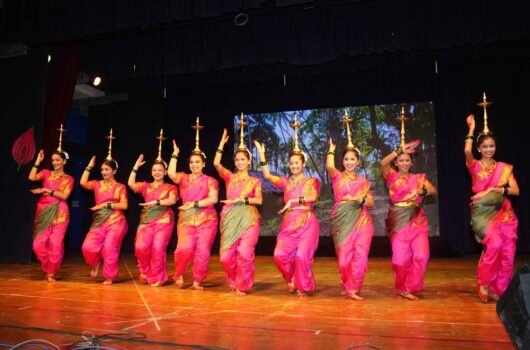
96, 81
49, 58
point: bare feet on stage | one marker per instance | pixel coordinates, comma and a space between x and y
95, 270
483, 293
143, 278
197, 286
50, 278
156, 284
290, 286
179, 281
301, 294
351, 294
107, 282
240, 292
408, 296
493, 296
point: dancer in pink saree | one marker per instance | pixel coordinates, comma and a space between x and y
240, 220
52, 215
492, 217
299, 230
109, 226
197, 222
156, 222
351, 223
406, 223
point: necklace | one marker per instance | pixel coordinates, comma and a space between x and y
156, 185
241, 178
350, 177
296, 182
56, 176
488, 169
193, 178
106, 186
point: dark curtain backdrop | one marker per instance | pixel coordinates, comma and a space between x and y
187, 36
22, 101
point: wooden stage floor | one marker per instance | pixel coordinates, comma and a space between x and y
450, 316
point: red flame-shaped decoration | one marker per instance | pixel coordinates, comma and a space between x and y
23, 149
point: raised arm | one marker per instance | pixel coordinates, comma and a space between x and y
330, 160
263, 162
172, 168
468, 147
35, 169
385, 162
86, 174
219, 154
132, 177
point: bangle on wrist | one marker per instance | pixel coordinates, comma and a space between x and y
109, 205
219, 150
134, 170
52, 193
399, 151
263, 163
247, 201
88, 169
196, 204
174, 156
331, 153
469, 138
158, 202
301, 200
36, 166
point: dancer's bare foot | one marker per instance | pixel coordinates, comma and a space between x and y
107, 282
156, 284
302, 294
409, 296
493, 296
50, 278
197, 286
143, 278
240, 292
179, 281
95, 270
352, 294
290, 286
483, 293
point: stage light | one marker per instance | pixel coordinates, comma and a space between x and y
49, 58
96, 81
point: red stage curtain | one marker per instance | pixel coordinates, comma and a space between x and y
60, 84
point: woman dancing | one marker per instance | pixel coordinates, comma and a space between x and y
109, 226
492, 217
406, 223
156, 220
351, 223
299, 230
197, 222
52, 215
240, 220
